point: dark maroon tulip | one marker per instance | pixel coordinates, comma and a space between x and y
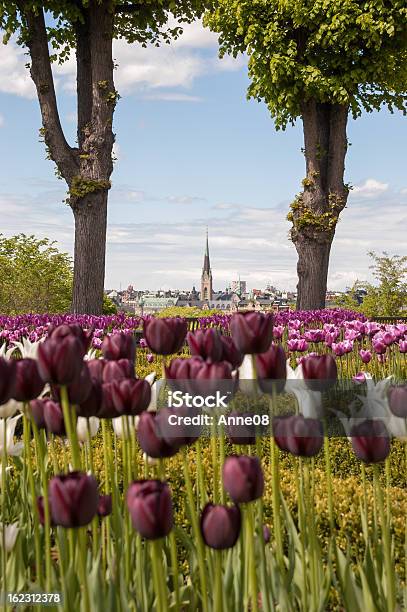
7, 380
252, 332
370, 441
41, 511
320, 372
243, 478
37, 411
28, 382
92, 404
266, 534
271, 368
106, 408
398, 401
131, 396
199, 377
181, 433
79, 389
165, 336
54, 418
241, 433
206, 343
300, 436
104, 505
119, 346
118, 370
220, 526
96, 367
60, 360
150, 507
151, 439
73, 499
75, 330
231, 353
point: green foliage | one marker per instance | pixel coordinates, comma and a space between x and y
389, 297
338, 51
109, 307
34, 276
186, 311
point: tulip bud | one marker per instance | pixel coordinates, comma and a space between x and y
241, 433
130, 396
96, 367
243, 478
60, 360
151, 439
271, 368
252, 332
79, 389
299, 436
370, 441
73, 499
365, 356
165, 336
106, 409
37, 412
266, 534
92, 404
28, 382
118, 370
398, 401
231, 353
320, 372
199, 377
206, 343
73, 330
220, 526
7, 380
150, 507
104, 505
54, 418
119, 346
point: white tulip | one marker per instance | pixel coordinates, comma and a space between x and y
28, 350
120, 428
6, 353
82, 428
10, 533
12, 448
150, 460
309, 402
9, 408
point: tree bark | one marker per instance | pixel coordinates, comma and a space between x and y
89, 256
315, 211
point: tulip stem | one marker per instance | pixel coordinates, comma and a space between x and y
389, 567
215, 468
196, 531
175, 572
200, 473
82, 566
250, 540
66, 409
158, 575
218, 581
329, 483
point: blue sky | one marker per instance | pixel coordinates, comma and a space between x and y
192, 151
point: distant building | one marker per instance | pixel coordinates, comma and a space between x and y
206, 277
239, 287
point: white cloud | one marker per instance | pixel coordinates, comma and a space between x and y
14, 76
369, 189
1, 121
172, 97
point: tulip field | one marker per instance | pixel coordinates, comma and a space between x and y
250, 463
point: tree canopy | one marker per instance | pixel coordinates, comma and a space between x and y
345, 52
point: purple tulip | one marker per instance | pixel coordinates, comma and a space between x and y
150, 436
37, 412
398, 401
252, 332
7, 379
92, 404
206, 343
199, 377
359, 378
118, 370
79, 389
73, 330
266, 534
130, 396
379, 346
28, 382
150, 507
60, 359
370, 441
119, 346
96, 368
365, 356
150, 357
165, 336
54, 418
278, 331
320, 372
271, 368
73, 499
220, 526
231, 353
403, 346
104, 507
299, 436
243, 478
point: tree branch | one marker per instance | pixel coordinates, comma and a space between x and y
83, 76
61, 153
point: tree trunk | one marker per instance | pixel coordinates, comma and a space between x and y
315, 211
90, 215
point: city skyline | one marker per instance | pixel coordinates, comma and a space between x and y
192, 152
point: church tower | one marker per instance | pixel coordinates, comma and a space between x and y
206, 278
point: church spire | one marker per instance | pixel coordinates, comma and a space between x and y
206, 278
